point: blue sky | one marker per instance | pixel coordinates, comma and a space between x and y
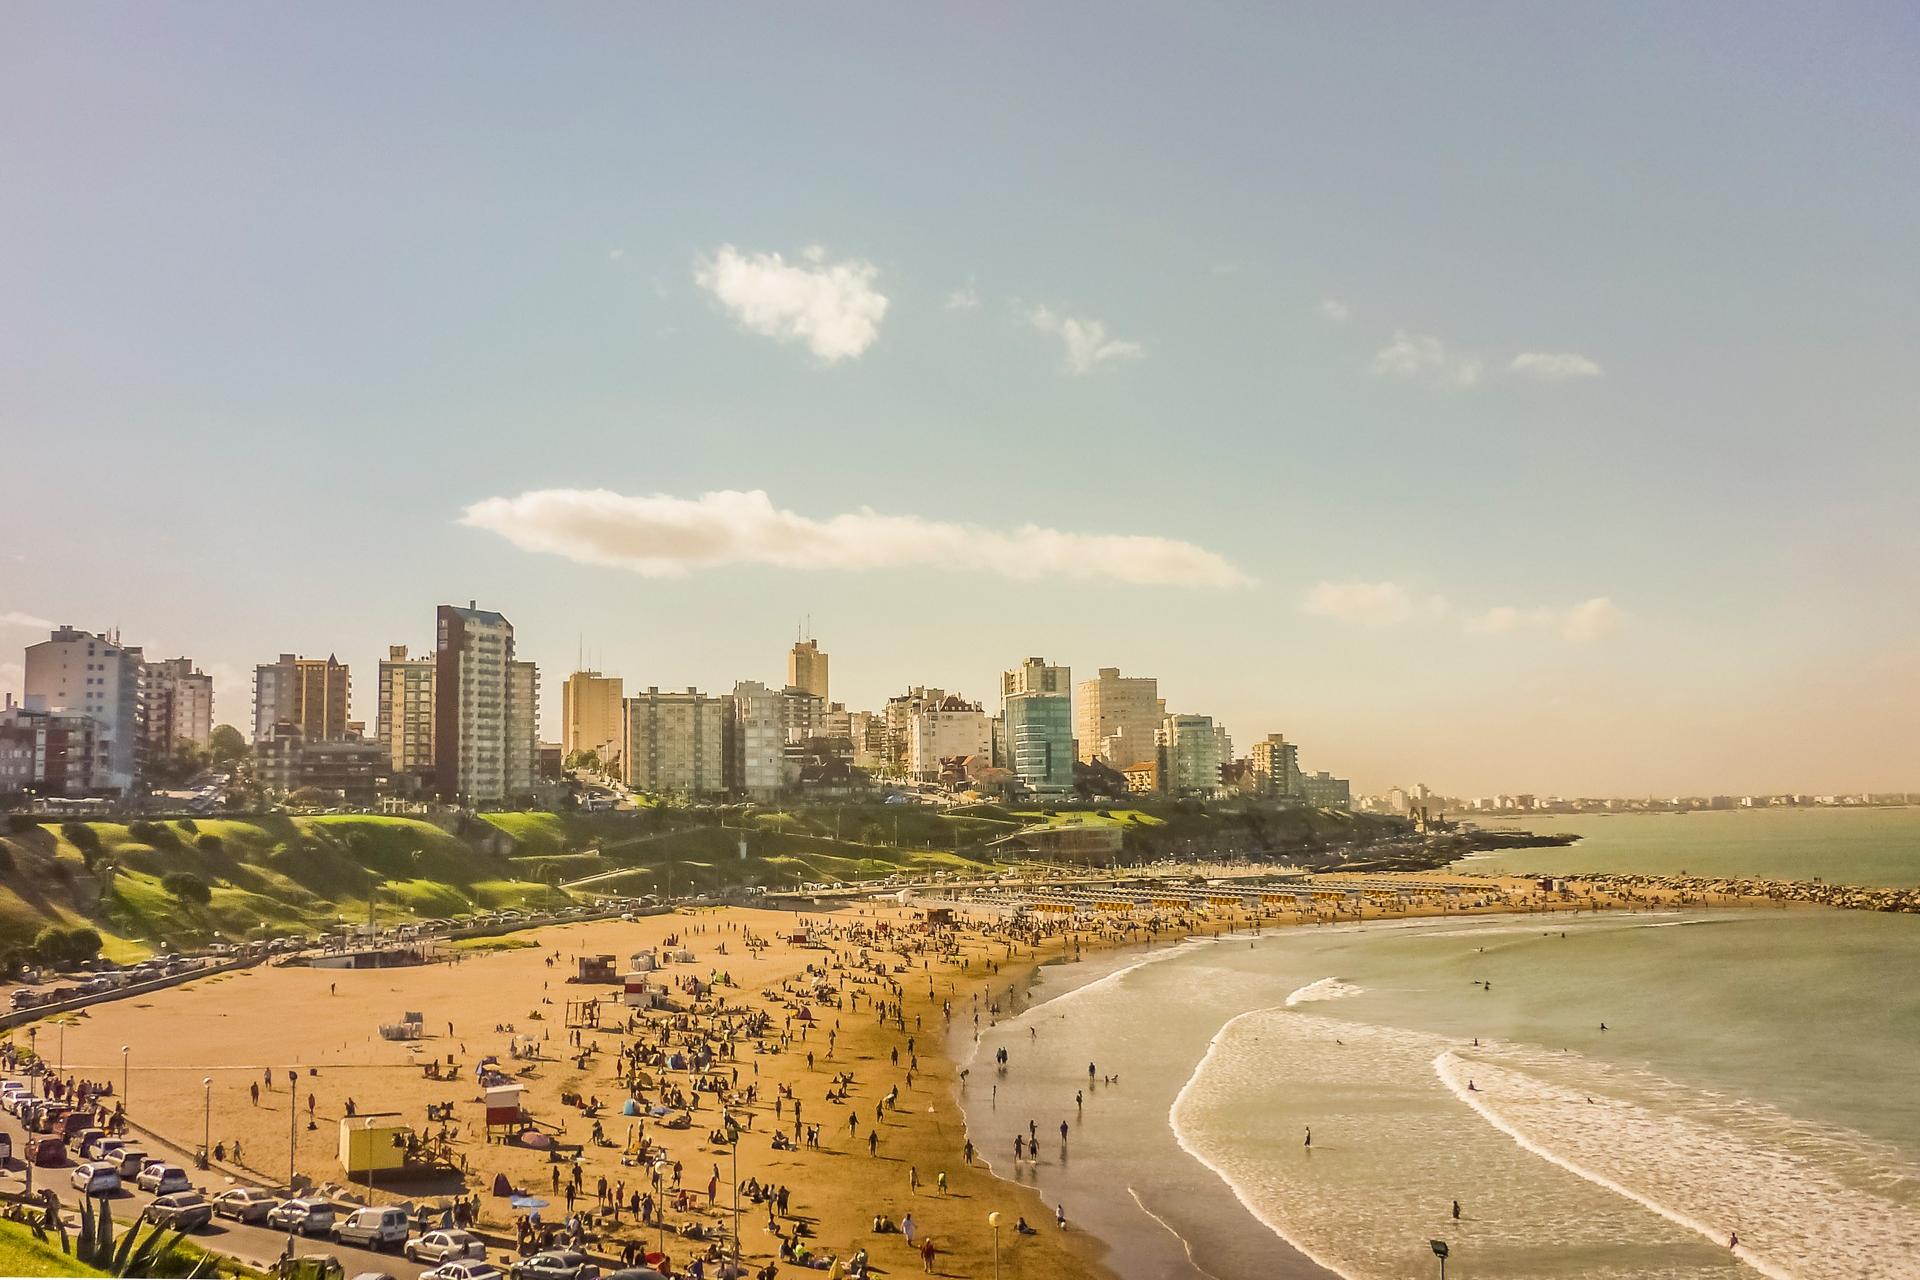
287, 290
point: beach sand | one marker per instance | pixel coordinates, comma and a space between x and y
240, 1029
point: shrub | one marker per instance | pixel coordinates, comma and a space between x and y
82, 837
64, 947
208, 842
188, 825
187, 887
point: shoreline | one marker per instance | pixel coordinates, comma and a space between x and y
231, 1027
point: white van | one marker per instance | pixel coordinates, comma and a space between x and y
373, 1228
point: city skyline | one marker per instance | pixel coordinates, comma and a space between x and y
1561, 450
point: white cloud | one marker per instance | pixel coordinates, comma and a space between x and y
1087, 340
14, 618
1589, 620
1335, 310
832, 307
964, 299
614, 255
663, 536
1420, 356
1371, 604
1554, 366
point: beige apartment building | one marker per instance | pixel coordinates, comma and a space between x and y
676, 743
1115, 718
807, 669
404, 725
311, 693
592, 716
177, 708
1276, 767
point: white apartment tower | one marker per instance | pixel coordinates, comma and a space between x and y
81, 673
483, 704
759, 739
676, 743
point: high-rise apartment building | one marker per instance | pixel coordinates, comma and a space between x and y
485, 737
591, 716
1115, 718
53, 752
757, 744
1189, 756
802, 712
807, 668
177, 709
1276, 767
676, 743
312, 693
80, 673
1036, 704
404, 725
898, 723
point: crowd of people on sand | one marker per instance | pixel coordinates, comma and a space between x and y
685, 1072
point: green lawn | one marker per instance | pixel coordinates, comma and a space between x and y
22, 1255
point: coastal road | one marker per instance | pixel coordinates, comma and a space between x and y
255, 1245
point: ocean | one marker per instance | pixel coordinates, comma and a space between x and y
1879, 847
1758, 1074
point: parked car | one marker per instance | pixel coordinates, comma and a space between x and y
373, 1228
6, 1148
244, 1204
444, 1246
182, 1211
97, 1179
163, 1179
308, 1216
131, 1161
555, 1264
48, 1153
84, 1141
463, 1271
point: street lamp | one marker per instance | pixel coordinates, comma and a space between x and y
1440, 1252
733, 1140
126, 1077
206, 1125
33, 1047
993, 1220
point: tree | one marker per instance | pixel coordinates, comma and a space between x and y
226, 745
187, 887
64, 947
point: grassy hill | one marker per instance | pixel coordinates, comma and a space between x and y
277, 874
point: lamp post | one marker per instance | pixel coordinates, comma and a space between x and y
733, 1141
33, 1047
126, 1073
993, 1220
206, 1124
1440, 1252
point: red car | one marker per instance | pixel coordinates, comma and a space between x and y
48, 1153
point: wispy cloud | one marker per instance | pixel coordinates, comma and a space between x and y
832, 307
1390, 604
664, 536
1335, 310
1589, 620
1087, 341
965, 298
14, 618
1371, 604
13, 679
1550, 366
1425, 358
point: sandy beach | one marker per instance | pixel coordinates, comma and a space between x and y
879, 1152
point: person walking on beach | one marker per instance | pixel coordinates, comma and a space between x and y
1456, 1211
1309, 1142
927, 1252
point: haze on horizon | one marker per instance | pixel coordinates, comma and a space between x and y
1520, 401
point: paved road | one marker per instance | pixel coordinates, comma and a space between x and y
252, 1244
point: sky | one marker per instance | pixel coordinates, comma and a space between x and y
1506, 398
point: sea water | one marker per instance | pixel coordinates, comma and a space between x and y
1758, 1075
1878, 847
